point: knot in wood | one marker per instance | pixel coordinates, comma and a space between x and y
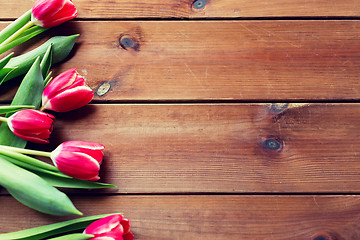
325, 236
272, 143
277, 108
103, 89
199, 4
127, 42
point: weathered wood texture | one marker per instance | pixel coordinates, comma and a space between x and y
207, 60
213, 217
193, 9
231, 148
227, 152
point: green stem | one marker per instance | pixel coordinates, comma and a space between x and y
15, 25
16, 34
27, 151
73, 236
3, 119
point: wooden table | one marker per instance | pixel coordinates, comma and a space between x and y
222, 119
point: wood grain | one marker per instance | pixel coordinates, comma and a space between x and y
185, 9
196, 171
216, 60
224, 148
212, 217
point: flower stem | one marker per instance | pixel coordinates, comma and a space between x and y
16, 34
3, 119
15, 25
27, 151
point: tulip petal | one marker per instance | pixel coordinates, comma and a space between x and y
90, 148
105, 238
77, 165
126, 225
46, 7
104, 225
83, 145
31, 125
111, 227
61, 17
128, 236
50, 13
32, 139
66, 92
70, 99
60, 82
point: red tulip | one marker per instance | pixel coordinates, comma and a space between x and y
79, 159
114, 227
31, 125
66, 92
50, 13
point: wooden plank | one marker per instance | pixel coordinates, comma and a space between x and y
207, 60
212, 217
186, 9
232, 148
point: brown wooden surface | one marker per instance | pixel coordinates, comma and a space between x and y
206, 60
215, 217
154, 148
184, 8
185, 129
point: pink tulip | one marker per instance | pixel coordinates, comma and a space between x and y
79, 159
66, 92
31, 125
114, 227
50, 13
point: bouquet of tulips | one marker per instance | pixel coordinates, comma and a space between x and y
76, 164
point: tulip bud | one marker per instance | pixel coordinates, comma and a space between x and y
50, 13
31, 125
113, 227
79, 159
66, 92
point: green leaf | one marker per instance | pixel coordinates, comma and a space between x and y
5, 74
58, 181
48, 79
14, 108
52, 229
31, 88
46, 62
61, 49
5, 60
74, 236
28, 34
14, 26
29, 93
33, 191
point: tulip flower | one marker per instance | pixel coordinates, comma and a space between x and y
44, 14
50, 13
79, 159
58, 230
113, 227
31, 125
66, 92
